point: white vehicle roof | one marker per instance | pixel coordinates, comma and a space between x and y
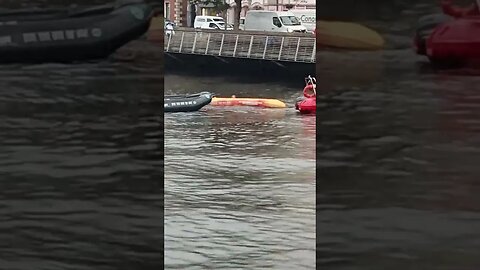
209, 17
280, 13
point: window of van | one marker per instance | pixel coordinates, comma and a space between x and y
290, 20
209, 20
200, 19
276, 22
218, 20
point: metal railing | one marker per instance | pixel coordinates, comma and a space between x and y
288, 47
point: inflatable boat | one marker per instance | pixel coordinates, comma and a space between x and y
345, 35
308, 103
425, 27
187, 103
74, 34
447, 41
249, 102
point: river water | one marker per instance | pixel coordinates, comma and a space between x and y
398, 155
80, 166
239, 183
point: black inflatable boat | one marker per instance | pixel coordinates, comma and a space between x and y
74, 34
187, 103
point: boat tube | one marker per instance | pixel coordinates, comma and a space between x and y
455, 43
448, 41
187, 103
308, 104
68, 35
250, 102
425, 27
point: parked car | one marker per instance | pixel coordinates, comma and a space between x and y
203, 22
217, 26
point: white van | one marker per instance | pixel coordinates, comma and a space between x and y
273, 21
203, 22
307, 17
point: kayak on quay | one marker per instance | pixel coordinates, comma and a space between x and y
345, 35
248, 102
308, 103
187, 103
71, 34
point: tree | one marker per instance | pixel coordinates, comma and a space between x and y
236, 17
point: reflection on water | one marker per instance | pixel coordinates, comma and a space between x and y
79, 166
239, 182
397, 164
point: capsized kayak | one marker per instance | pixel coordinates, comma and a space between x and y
72, 34
347, 35
187, 103
456, 42
251, 102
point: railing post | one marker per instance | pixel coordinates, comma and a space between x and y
235, 48
314, 51
281, 48
194, 42
298, 47
208, 42
250, 47
181, 43
265, 48
168, 43
221, 45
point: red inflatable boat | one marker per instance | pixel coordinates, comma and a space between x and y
456, 42
308, 105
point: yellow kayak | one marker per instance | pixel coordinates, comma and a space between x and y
251, 102
347, 35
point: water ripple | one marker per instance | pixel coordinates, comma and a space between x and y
79, 165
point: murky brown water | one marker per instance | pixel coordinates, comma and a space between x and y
80, 160
398, 158
239, 183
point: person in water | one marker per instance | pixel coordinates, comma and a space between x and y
458, 12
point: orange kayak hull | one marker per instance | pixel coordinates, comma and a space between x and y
248, 102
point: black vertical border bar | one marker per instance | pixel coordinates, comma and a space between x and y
317, 126
161, 14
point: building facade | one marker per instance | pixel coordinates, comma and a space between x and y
179, 11
176, 11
